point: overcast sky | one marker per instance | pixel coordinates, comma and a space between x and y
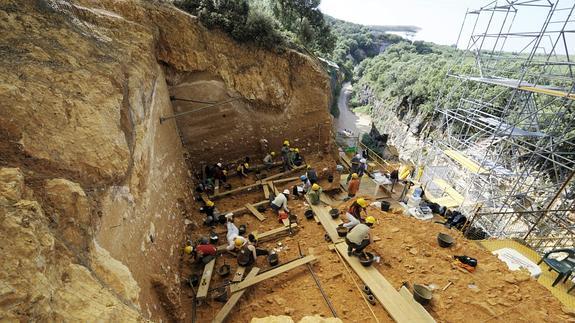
439, 20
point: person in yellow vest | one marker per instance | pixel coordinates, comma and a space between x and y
314, 194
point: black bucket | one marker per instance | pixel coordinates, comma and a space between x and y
366, 259
224, 270
421, 294
194, 280
261, 208
445, 240
309, 214
214, 238
242, 229
385, 206
273, 259
334, 213
221, 295
293, 218
341, 231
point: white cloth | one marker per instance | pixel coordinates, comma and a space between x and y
233, 233
281, 201
352, 221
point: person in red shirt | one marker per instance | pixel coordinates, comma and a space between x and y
202, 253
353, 186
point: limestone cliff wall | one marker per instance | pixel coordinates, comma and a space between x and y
84, 85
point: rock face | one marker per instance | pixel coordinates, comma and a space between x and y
84, 86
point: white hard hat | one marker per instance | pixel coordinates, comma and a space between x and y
219, 164
286, 192
362, 160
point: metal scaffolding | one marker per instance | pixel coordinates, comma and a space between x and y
508, 121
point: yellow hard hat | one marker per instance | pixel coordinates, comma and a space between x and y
370, 219
296, 150
273, 153
315, 187
286, 142
362, 202
225, 172
291, 149
188, 249
238, 242
308, 167
210, 203
246, 165
354, 175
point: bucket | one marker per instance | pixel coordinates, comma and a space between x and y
341, 231
194, 280
292, 218
221, 295
421, 294
261, 208
385, 206
224, 270
334, 213
242, 229
366, 259
330, 178
309, 214
214, 238
445, 240
273, 259
222, 219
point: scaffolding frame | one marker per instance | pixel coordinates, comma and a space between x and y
507, 107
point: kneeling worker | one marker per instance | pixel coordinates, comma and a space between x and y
280, 202
201, 253
359, 237
314, 194
248, 252
354, 212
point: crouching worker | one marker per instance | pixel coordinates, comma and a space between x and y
314, 194
202, 253
209, 209
248, 252
280, 202
354, 213
359, 237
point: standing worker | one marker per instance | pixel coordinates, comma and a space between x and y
311, 174
353, 186
269, 160
285, 155
248, 253
280, 202
354, 213
359, 237
362, 169
314, 194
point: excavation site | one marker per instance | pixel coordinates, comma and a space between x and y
262, 161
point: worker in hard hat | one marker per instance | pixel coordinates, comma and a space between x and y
353, 214
314, 194
247, 252
269, 160
285, 155
242, 169
220, 173
298, 158
359, 237
354, 167
280, 202
353, 186
306, 183
202, 252
233, 234
362, 168
209, 209
311, 174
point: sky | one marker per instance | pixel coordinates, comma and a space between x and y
439, 20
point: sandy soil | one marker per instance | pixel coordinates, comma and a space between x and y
409, 252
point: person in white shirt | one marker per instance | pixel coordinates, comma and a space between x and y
280, 202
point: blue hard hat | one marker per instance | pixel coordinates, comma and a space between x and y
303, 177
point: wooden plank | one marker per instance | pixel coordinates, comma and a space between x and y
235, 190
273, 188
244, 210
223, 313
269, 178
266, 191
239, 274
285, 222
285, 180
255, 212
329, 224
275, 231
406, 294
205, 281
217, 186
272, 273
400, 309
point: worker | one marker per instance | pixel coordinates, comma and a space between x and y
248, 253
314, 194
220, 173
359, 237
297, 158
280, 202
242, 169
353, 186
209, 210
311, 174
269, 160
306, 183
354, 168
362, 169
202, 252
354, 213
393, 177
285, 158
233, 233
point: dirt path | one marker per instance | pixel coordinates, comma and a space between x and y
356, 123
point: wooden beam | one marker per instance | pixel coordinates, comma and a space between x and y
255, 212
235, 190
223, 313
243, 208
269, 178
400, 309
285, 180
266, 191
272, 273
273, 188
205, 281
285, 222
275, 231
239, 274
